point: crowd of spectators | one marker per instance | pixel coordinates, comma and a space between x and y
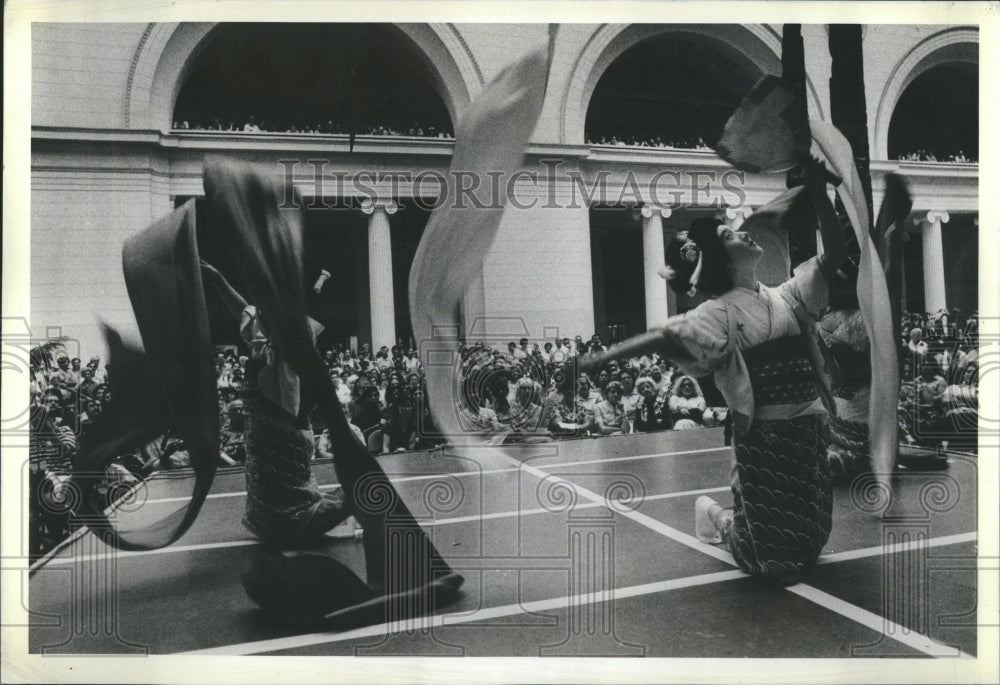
688, 143
515, 392
532, 392
66, 398
922, 155
939, 392
330, 127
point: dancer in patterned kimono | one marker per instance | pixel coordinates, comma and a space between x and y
284, 502
758, 342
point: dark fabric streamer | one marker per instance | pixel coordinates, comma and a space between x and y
171, 384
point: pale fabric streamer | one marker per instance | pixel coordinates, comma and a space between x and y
491, 137
873, 298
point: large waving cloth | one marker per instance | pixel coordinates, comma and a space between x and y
168, 385
245, 207
490, 138
783, 152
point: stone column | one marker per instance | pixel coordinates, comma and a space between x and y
652, 260
383, 309
934, 292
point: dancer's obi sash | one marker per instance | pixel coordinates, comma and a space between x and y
736, 382
781, 373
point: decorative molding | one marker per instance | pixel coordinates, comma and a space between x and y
468, 52
127, 102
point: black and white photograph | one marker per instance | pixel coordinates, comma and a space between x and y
613, 343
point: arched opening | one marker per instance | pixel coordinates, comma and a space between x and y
937, 116
670, 90
318, 78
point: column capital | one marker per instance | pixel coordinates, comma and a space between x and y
738, 213
937, 216
647, 211
369, 206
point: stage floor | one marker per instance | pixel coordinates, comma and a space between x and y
577, 548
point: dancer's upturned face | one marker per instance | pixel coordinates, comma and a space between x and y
739, 247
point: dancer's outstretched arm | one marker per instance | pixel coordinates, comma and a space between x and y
660, 340
233, 301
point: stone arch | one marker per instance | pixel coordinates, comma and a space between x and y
167, 51
958, 44
756, 46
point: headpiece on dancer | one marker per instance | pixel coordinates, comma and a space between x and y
697, 261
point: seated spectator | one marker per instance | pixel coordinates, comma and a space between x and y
603, 378
562, 413
651, 412
561, 351
662, 384
586, 396
960, 401
412, 362
91, 411
51, 443
364, 410
547, 351
609, 414
87, 385
687, 404
73, 375
916, 343
526, 413
630, 398
232, 438
930, 390
382, 359
399, 430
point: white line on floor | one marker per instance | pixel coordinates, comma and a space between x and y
442, 620
640, 518
585, 505
865, 552
919, 642
177, 549
465, 474
879, 624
